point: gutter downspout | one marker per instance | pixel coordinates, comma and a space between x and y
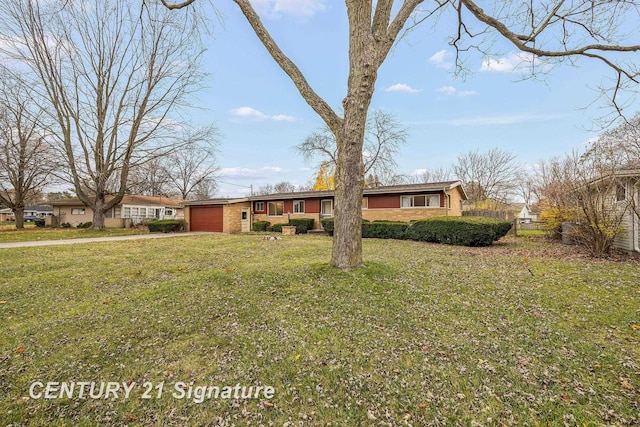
446, 202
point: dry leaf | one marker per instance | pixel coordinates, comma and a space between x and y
105, 302
2, 302
20, 349
632, 326
565, 398
130, 417
625, 384
267, 404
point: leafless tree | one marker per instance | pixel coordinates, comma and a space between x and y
554, 30
205, 189
264, 189
150, 178
27, 160
619, 146
383, 137
583, 189
492, 175
285, 187
440, 174
194, 163
115, 76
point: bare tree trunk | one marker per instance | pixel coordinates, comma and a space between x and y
98, 213
18, 211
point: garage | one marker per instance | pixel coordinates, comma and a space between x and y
206, 218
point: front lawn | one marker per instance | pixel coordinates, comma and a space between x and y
31, 233
520, 333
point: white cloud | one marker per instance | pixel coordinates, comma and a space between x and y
452, 91
419, 172
250, 113
441, 59
401, 88
247, 173
283, 118
520, 62
299, 8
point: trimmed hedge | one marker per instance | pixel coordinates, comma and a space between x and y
464, 231
327, 225
39, 223
277, 228
85, 225
261, 225
460, 230
165, 226
384, 230
302, 224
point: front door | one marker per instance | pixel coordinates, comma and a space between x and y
246, 222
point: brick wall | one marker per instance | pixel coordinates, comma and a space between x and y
284, 219
402, 215
64, 215
232, 217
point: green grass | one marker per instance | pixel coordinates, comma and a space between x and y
520, 333
31, 233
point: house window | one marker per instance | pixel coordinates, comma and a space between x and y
621, 192
365, 203
77, 211
127, 213
258, 206
275, 208
326, 208
428, 201
298, 206
168, 212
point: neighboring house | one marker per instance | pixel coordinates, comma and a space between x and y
30, 212
626, 198
132, 209
527, 215
6, 214
392, 203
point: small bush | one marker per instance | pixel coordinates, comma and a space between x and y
85, 225
302, 224
261, 225
166, 226
65, 225
276, 228
39, 223
327, 225
464, 231
384, 230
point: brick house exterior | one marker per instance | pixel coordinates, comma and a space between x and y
392, 203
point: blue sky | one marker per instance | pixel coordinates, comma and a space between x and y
262, 116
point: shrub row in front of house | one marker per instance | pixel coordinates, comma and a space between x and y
165, 226
462, 231
303, 225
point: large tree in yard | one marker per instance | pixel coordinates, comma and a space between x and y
27, 159
113, 76
555, 30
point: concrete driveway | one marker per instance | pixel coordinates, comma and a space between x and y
98, 239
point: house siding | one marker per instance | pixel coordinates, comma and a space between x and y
64, 215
